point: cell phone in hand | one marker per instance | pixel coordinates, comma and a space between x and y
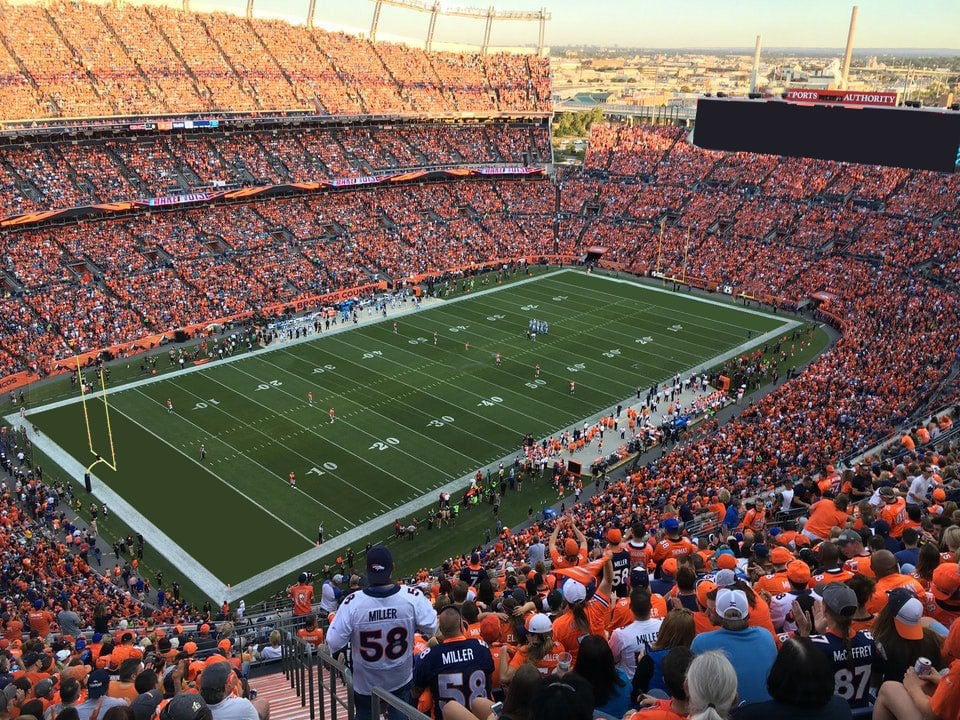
496, 708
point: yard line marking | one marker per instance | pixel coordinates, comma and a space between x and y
208, 470
370, 408
364, 432
313, 432
290, 449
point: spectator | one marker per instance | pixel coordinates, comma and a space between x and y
899, 630
611, 685
751, 649
98, 701
677, 630
801, 686
676, 706
711, 686
634, 639
563, 698
222, 690
186, 706
541, 650
382, 664
271, 651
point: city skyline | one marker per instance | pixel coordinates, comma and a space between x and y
657, 23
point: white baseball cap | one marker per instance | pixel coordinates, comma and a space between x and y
574, 591
732, 604
540, 624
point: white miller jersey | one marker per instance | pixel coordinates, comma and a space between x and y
379, 624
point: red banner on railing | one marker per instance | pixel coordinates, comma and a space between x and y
842, 97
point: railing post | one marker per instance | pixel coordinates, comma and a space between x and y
310, 654
302, 668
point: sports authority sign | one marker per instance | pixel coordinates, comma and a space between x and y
842, 97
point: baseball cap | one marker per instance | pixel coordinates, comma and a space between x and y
37, 604
780, 556
732, 604
29, 659
946, 581
907, 620
704, 588
887, 493
43, 687
840, 599
669, 567
798, 572
338, 578
215, 676
225, 644
190, 647
63, 655
541, 623
939, 494
639, 577
97, 684
379, 565
490, 629
614, 536
204, 628
761, 550
726, 561
725, 578
186, 706
849, 536
571, 547
881, 527
145, 704
574, 591
303, 577
671, 525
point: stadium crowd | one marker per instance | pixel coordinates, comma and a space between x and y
825, 593
74, 59
58, 176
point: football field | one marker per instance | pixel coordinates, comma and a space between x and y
412, 416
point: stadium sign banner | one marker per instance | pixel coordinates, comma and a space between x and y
510, 170
346, 182
177, 199
842, 97
12, 382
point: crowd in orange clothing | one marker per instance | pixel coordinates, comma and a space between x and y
71, 59
43, 177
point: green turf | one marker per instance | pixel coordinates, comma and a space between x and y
391, 443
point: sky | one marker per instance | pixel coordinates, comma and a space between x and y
661, 23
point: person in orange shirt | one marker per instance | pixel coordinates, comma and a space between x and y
309, 633
582, 617
40, 619
621, 614
857, 559
541, 650
673, 545
755, 519
825, 515
776, 582
893, 511
945, 587
302, 596
574, 551
885, 569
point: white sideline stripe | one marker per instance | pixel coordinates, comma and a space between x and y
207, 581
198, 573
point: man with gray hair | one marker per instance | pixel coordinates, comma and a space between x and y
752, 650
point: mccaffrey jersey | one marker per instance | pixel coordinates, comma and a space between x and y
852, 678
457, 669
379, 624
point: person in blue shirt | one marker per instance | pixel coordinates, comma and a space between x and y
611, 686
911, 548
751, 650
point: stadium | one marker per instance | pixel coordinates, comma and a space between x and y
295, 319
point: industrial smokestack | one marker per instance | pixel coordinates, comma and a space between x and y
755, 75
849, 51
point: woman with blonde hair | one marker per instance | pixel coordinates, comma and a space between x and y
711, 686
271, 651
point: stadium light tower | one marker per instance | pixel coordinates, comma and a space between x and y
436, 8
848, 52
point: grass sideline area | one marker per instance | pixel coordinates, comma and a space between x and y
391, 443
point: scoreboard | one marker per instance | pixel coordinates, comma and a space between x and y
822, 126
